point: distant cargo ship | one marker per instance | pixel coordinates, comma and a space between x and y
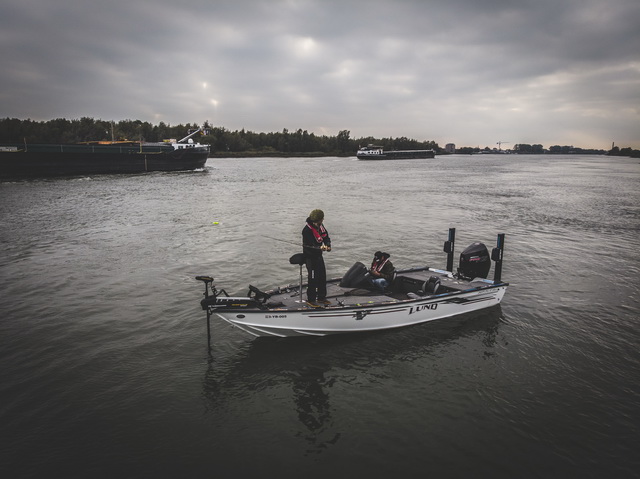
372, 152
100, 157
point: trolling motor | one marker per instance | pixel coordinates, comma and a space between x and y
214, 299
208, 281
209, 298
221, 299
208, 284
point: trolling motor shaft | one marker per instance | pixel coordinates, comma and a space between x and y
208, 283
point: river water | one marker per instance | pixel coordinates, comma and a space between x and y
105, 368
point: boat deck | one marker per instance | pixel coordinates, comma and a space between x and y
409, 285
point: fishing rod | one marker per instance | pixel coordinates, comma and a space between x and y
293, 242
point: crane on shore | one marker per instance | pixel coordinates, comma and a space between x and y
500, 144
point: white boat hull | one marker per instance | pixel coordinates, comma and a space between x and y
415, 295
323, 322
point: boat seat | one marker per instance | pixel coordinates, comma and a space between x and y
404, 284
297, 258
417, 287
432, 285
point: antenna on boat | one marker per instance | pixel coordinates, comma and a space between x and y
189, 135
449, 246
496, 255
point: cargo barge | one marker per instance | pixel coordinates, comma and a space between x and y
372, 152
100, 157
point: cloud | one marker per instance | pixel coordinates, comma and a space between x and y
466, 71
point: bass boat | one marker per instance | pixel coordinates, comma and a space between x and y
416, 295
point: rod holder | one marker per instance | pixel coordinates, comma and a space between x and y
496, 255
449, 247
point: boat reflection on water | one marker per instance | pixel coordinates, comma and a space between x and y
308, 371
311, 394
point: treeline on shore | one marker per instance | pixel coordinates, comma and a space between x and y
526, 149
223, 142
241, 143
615, 151
569, 150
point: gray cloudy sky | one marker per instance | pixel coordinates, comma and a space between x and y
471, 72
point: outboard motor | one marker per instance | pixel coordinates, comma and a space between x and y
356, 277
475, 262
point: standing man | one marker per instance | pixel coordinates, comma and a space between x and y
315, 240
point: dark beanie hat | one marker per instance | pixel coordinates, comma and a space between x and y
316, 215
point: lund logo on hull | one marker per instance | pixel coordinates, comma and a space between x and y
423, 307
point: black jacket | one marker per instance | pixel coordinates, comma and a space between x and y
311, 246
